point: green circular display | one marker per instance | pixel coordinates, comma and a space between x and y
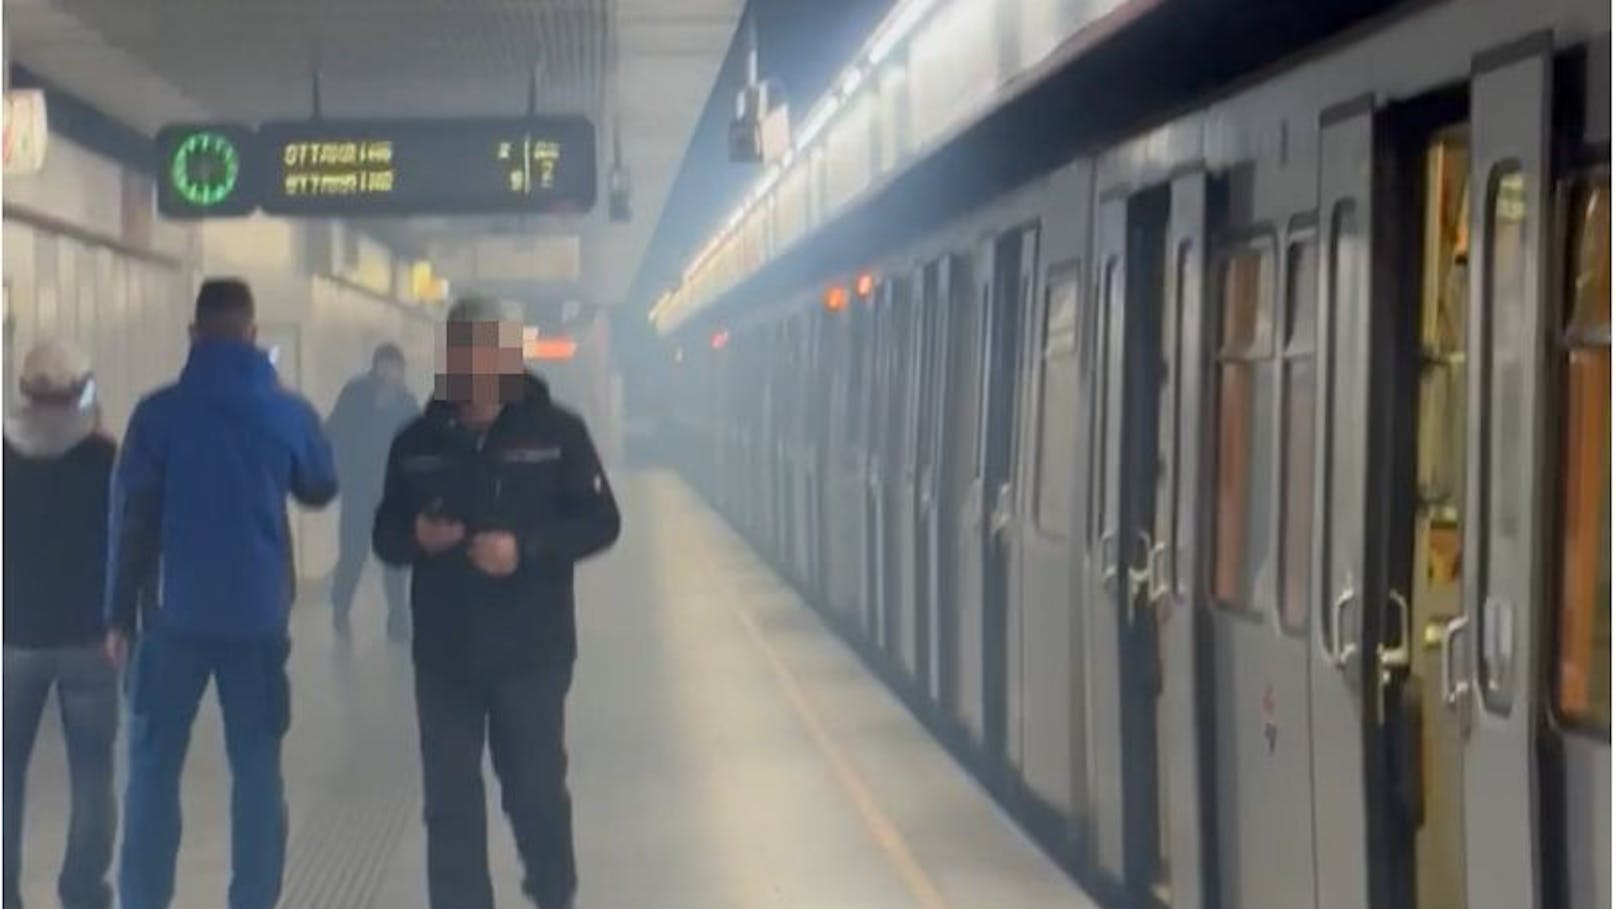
204, 169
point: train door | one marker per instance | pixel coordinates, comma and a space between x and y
1576, 833
1336, 668
1257, 329
944, 487
1048, 742
897, 492
802, 447
1495, 686
967, 389
1170, 569
1417, 801
871, 435
844, 514
907, 532
1124, 666
929, 456
1015, 265
818, 386
878, 434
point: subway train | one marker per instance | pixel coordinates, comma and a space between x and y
1227, 482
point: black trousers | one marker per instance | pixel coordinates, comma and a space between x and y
522, 718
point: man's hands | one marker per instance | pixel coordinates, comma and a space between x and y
438, 535
494, 552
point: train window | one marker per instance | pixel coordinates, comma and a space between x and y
1296, 470
1508, 296
1583, 671
1057, 413
1245, 430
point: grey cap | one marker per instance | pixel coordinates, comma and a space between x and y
481, 309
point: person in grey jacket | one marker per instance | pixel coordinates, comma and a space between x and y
370, 410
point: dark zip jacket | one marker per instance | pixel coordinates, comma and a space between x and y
534, 474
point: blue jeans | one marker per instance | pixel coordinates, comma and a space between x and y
169, 674
87, 693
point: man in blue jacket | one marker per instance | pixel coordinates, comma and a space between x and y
199, 499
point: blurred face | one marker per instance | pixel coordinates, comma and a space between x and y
391, 372
482, 363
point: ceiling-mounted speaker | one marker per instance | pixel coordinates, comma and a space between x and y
746, 131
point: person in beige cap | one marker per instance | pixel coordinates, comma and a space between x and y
57, 469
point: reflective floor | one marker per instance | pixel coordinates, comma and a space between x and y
727, 753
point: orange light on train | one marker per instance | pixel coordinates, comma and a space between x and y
542, 348
720, 340
836, 298
865, 285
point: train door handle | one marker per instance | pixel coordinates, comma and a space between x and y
1161, 585
1454, 689
1400, 655
1139, 573
1394, 659
1002, 516
1108, 561
1336, 651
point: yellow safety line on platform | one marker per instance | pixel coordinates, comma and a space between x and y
881, 827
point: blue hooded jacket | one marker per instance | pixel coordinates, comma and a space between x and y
199, 497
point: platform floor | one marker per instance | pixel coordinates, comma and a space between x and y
727, 753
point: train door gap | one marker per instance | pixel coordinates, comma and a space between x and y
1004, 328
1416, 777
1146, 283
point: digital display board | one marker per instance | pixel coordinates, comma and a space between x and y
378, 168
337, 168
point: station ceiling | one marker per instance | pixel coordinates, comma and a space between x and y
152, 61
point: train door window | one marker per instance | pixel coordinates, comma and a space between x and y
964, 365
1057, 413
1296, 469
1246, 413
1100, 356
1507, 296
1583, 666
926, 368
910, 372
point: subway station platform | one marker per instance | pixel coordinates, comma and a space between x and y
727, 753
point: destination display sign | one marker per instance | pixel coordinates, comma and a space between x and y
381, 168
405, 167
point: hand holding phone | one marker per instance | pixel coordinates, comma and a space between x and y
436, 531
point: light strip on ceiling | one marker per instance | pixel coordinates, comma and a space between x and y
889, 35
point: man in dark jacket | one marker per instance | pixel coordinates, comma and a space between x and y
57, 467
200, 497
493, 495
370, 411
